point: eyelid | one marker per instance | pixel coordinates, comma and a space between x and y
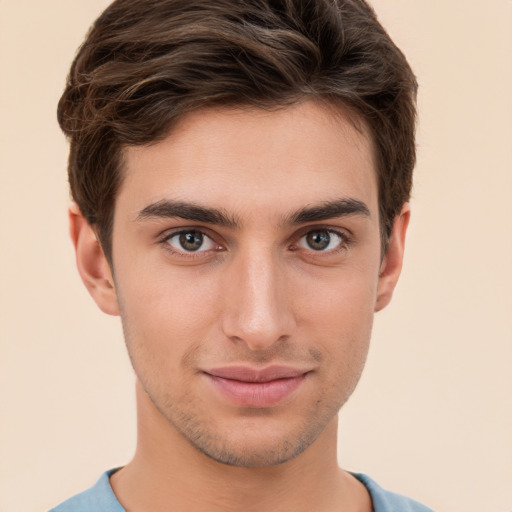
343, 234
164, 238
170, 232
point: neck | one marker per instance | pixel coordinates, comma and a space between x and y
168, 473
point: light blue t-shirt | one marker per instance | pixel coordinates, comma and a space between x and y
101, 498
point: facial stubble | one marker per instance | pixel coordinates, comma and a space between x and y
185, 413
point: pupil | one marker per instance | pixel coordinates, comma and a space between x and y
191, 241
318, 240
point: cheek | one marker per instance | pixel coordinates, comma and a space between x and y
342, 299
346, 326
339, 315
165, 314
345, 342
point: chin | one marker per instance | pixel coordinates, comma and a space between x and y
259, 442
252, 455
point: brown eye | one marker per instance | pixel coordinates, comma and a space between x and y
318, 240
321, 240
190, 241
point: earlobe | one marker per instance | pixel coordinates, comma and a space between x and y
91, 262
392, 262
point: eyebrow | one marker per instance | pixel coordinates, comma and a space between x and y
189, 211
330, 210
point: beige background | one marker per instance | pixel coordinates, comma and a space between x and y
432, 416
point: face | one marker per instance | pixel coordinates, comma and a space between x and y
246, 257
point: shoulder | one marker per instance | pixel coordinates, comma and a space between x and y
98, 498
386, 501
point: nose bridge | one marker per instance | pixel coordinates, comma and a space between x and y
257, 308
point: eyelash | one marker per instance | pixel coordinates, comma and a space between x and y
345, 242
164, 241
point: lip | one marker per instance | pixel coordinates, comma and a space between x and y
254, 387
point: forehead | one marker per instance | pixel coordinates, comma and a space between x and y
243, 158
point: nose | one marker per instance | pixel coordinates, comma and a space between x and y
257, 305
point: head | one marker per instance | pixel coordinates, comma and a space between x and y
145, 64
244, 166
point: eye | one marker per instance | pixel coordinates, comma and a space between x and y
190, 241
321, 240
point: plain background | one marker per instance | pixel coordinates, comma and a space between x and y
432, 417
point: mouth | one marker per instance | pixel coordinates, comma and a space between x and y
258, 388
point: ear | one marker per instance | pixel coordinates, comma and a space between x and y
92, 265
391, 265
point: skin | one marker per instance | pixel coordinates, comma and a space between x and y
256, 293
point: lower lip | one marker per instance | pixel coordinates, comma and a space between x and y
256, 394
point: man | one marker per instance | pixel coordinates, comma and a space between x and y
240, 173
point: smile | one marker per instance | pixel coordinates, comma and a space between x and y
249, 387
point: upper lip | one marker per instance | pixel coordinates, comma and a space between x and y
251, 374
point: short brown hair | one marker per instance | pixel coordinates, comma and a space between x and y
146, 63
